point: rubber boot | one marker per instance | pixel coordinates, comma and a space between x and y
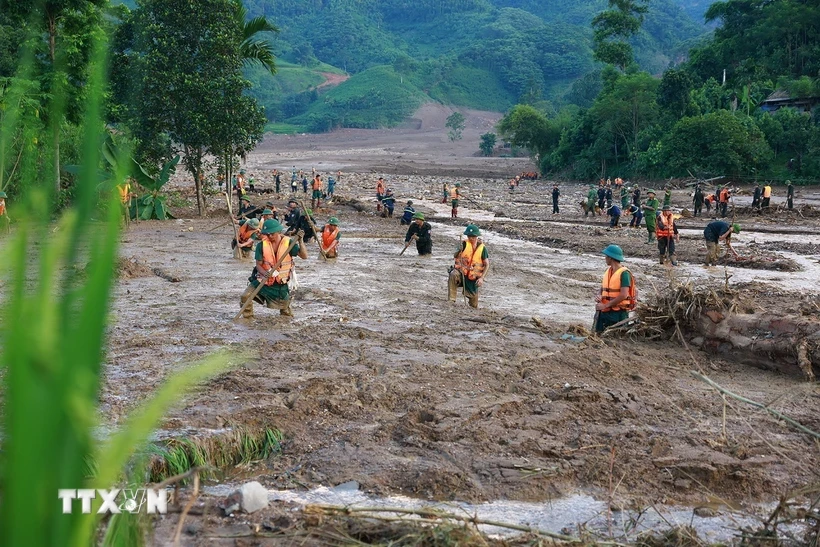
286, 311
662, 259
472, 299
454, 213
453, 282
672, 259
248, 313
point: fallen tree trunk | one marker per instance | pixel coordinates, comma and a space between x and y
775, 341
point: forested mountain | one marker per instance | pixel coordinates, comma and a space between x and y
487, 54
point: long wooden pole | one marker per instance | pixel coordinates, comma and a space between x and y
237, 253
315, 231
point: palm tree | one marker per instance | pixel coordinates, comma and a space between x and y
254, 49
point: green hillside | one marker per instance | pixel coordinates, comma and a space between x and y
487, 54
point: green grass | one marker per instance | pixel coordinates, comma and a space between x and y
285, 128
377, 97
214, 452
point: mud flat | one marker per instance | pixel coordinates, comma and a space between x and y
379, 380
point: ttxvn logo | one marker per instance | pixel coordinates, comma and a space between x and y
133, 500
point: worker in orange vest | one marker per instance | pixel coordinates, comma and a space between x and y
617, 295
245, 234
767, 195
454, 196
723, 201
667, 233
274, 248
3, 214
316, 197
472, 263
330, 238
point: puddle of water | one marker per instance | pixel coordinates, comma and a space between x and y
558, 515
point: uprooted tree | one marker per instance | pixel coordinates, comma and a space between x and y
724, 320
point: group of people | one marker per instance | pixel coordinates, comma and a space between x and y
274, 246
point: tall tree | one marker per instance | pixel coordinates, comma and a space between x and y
254, 49
72, 21
614, 27
187, 60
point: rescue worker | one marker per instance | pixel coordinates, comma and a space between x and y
767, 196
293, 185
723, 201
379, 193
756, 197
636, 196
555, 194
790, 194
419, 231
331, 187
316, 197
667, 233
601, 196
124, 190
472, 263
389, 203
615, 212
330, 238
3, 214
407, 214
697, 201
277, 180
273, 248
608, 195
241, 183
246, 230
617, 295
715, 232
304, 183
246, 210
592, 195
624, 195
709, 201
454, 196
445, 192
637, 216
667, 197
650, 212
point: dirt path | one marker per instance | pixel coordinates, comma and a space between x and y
332, 79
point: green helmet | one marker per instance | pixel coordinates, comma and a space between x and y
458, 184
333, 221
254, 223
272, 226
267, 212
650, 191
3, 195
241, 171
614, 252
418, 216
245, 198
472, 230
736, 228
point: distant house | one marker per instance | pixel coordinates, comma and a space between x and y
780, 99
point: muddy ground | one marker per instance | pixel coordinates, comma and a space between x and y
379, 380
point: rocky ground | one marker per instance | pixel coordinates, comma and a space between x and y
379, 380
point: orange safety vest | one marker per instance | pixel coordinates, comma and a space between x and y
469, 261
767, 191
269, 259
380, 187
665, 226
724, 195
124, 190
454, 193
328, 237
317, 184
710, 198
2, 207
611, 289
245, 232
